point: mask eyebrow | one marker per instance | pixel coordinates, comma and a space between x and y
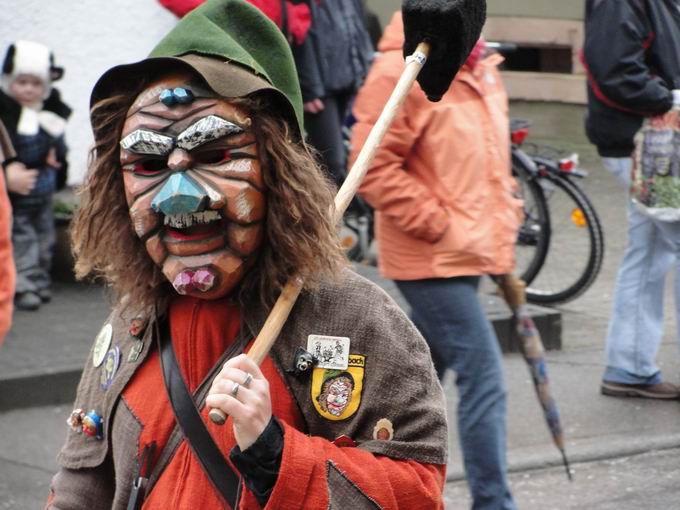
143, 141
207, 129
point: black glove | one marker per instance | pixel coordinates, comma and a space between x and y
261, 462
452, 27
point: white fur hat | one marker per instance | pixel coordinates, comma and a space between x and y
28, 57
35, 59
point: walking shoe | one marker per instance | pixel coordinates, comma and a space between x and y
661, 391
45, 295
27, 301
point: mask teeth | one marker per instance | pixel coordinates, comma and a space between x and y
184, 220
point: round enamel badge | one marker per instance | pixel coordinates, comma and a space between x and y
93, 425
383, 430
102, 344
110, 367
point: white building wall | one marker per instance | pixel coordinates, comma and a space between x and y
87, 37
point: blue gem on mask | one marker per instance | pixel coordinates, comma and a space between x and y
168, 98
179, 95
183, 96
179, 195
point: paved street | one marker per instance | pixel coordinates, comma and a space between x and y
646, 481
624, 452
30, 437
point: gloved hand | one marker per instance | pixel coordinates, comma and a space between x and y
452, 27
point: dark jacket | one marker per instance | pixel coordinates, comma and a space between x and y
632, 55
32, 150
336, 54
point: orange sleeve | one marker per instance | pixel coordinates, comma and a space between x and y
388, 186
7, 274
314, 470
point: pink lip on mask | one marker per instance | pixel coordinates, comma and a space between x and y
189, 280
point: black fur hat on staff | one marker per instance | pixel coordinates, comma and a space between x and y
452, 27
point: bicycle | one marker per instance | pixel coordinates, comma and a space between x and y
560, 245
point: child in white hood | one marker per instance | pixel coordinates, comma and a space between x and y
35, 118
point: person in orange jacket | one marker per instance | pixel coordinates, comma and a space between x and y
445, 215
7, 271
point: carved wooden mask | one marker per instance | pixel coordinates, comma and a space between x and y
194, 185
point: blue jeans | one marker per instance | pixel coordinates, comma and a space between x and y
448, 313
636, 324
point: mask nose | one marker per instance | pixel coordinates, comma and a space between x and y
180, 194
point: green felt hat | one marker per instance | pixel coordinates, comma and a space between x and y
230, 43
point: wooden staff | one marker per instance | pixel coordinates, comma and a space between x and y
284, 304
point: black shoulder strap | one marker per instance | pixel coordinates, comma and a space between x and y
215, 466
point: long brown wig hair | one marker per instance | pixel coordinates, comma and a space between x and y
300, 236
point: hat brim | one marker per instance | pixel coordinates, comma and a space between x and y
227, 79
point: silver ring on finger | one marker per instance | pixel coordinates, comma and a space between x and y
246, 382
234, 389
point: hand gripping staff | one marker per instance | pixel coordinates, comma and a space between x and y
284, 304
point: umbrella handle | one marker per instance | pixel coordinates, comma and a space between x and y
284, 304
513, 290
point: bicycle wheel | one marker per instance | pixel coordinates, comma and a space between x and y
533, 237
576, 244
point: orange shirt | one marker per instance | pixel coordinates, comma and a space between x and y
201, 331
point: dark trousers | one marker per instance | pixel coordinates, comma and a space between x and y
324, 133
448, 313
33, 243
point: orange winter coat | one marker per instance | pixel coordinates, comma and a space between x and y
7, 271
7, 275
441, 182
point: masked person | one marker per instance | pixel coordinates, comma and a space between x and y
201, 201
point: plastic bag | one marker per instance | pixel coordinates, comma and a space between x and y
655, 183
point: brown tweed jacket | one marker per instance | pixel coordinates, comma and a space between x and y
399, 384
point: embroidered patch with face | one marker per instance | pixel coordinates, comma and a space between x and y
336, 394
